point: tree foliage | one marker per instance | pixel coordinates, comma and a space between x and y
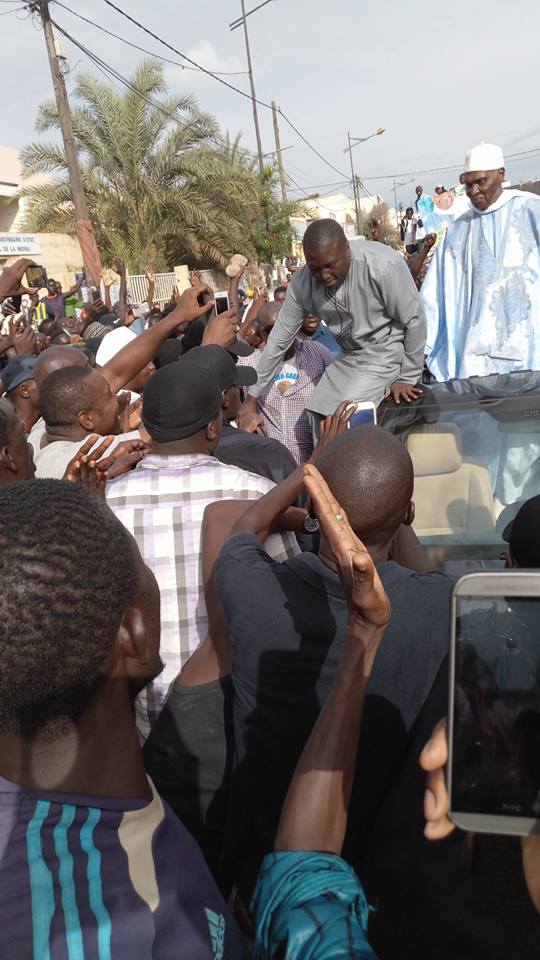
162, 185
272, 232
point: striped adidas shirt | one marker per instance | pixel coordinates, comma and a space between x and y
97, 878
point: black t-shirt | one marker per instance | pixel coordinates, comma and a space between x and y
286, 624
250, 451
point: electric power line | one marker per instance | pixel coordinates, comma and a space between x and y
223, 73
309, 195
225, 83
457, 166
112, 72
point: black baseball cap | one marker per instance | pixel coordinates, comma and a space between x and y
178, 401
193, 338
17, 371
221, 365
523, 534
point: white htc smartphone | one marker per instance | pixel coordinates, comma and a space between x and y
221, 298
365, 413
493, 771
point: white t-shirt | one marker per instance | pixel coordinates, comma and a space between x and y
52, 461
287, 376
36, 435
413, 233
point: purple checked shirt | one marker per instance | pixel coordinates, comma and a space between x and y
284, 414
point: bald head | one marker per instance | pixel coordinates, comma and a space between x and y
56, 358
371, 475
267, 317
321, 233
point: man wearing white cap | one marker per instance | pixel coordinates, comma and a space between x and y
482, 291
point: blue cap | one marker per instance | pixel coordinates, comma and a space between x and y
17, 371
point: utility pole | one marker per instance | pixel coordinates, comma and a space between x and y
84, 228
252, 85
353, 178
278, 154
395, 202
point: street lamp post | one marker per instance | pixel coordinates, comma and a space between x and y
353, 142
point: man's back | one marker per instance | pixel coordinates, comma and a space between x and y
429, 900
283, 671
162, 503
106, 877
264, 456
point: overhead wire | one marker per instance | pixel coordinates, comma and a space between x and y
135, 46
112, 72
307, 194
523, 154
225, 83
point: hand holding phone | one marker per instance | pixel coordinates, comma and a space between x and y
364, 415
36, 277
494, 703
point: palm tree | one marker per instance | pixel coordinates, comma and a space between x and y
161, 184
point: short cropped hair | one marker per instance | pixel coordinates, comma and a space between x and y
320, 233
370, 473
6, 420
67, 574
279, 290
64, 393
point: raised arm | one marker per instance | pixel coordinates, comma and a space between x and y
273, 511
286, 327
315, 813
120, 268
129, 361
76, 286
416, 263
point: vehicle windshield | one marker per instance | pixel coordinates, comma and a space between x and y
475, 447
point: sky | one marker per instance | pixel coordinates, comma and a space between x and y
438, 77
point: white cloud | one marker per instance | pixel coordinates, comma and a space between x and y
205, 54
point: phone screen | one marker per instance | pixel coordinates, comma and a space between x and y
36, 277
362, 417
222, 303
496, 734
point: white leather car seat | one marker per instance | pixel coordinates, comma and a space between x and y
451, 497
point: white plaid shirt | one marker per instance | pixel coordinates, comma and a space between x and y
162, 503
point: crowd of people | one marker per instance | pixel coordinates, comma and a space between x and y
223, 653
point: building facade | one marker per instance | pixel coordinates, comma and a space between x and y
59, 253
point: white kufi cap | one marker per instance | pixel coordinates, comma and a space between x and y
486, 156
112, 343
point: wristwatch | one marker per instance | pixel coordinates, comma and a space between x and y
311, 524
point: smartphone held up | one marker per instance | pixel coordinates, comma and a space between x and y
494, 703
365, 414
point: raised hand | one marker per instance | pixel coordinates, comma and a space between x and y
24, 338
221, 329
83, 468
363, 589
332, 426
188, 308
123, 458
119, 266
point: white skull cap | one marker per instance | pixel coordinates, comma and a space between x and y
486, 156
